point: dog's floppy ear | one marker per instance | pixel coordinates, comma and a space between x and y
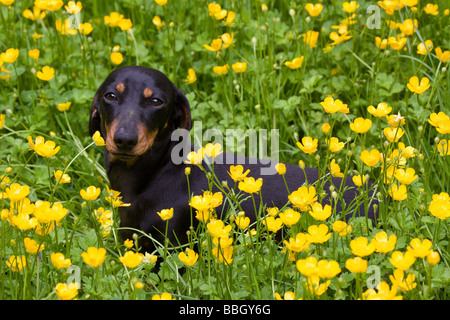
182, 111
94, 118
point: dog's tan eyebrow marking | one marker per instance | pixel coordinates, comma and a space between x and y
120, 87
148, 92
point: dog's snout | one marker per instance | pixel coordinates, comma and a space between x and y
124, 140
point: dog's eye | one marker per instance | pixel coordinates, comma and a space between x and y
111, 96
156, 102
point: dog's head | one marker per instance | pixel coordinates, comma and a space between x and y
133, 107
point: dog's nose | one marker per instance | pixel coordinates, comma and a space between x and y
125, 141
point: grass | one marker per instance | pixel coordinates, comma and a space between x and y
249, 262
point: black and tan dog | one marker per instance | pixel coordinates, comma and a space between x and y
137, 110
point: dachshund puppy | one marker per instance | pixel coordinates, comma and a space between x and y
138, 111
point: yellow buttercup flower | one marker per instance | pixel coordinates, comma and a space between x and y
224, 255
361, 125
191, 77
420, 249
370, 158
431, 8
73, 8
163, 296
34, 54
416, 87
295, 63
334, 144
218, 229
161, 2
362, 247
16, 263
381, 110
158, 22
444, 147
116, 58
328, 269
437, 118
314, 9
10, 55
66, 292
229, 20
98, 139
320, 212
393, 134
297, 244
397, 44
94, 257
408, 27
288, 295
125, 24
113, 19
35, 15
59, 261
46, 74
433, 258
239, 67
350, 7
314, 286
318, 234
273, 224
166, 214
303, 197
227, 40
131, 259
308, 266
17, 192
308, 145
381, 43
398, 279
215, 46
31, 246
281, 168
332, 106
335, 169
341, 228
440, 206
289, 217
424, 48
242, 221
195, 157
384, 243
65, 27
310, 38
359, 180
188, 259
398, 193
50, 5
90, 194
250, 185
213, 150
85, 28
402, 261
443, 56
384, 291
356, 265
338, 38
64, 106
221, 70
405, 176
43, 148
46, 212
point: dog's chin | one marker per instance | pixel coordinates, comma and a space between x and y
122, 157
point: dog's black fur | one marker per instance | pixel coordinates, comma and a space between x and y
136, 110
